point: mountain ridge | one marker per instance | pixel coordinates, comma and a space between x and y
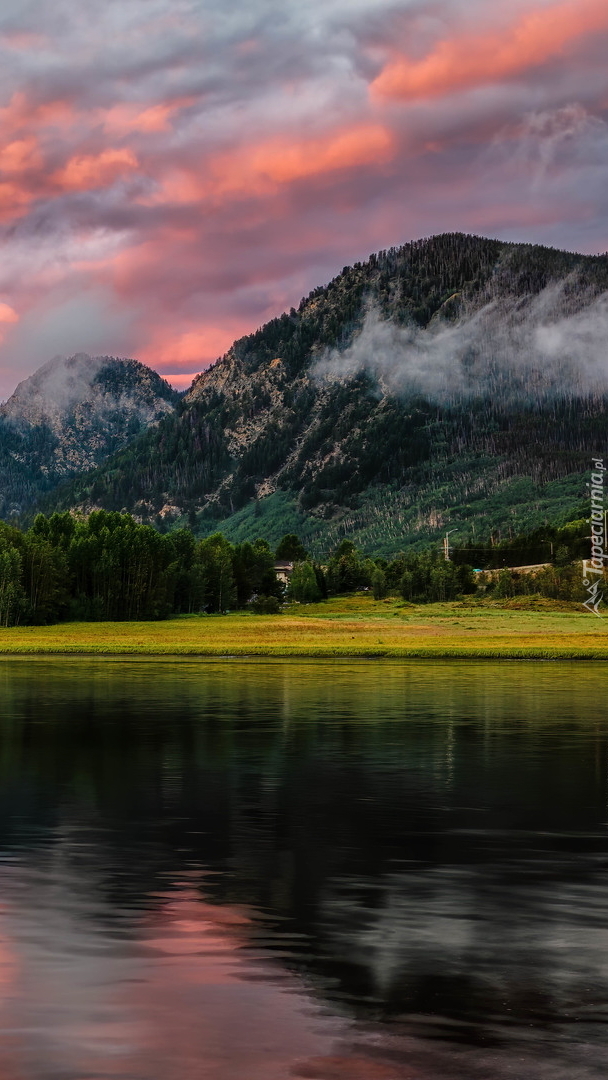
262, 442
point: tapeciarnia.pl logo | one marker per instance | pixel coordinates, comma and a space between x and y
593, 568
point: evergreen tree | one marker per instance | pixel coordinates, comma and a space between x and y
45, 578
215, 555
303, 585
379, 584
12, 595
291, 549
347, 570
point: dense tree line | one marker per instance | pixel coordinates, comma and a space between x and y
107, 566
554, 582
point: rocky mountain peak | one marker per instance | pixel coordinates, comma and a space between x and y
65, 385
69, 416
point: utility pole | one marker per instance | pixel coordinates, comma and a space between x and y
446, 545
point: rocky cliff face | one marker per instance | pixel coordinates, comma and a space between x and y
69, 417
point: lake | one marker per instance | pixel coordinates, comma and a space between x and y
334, 870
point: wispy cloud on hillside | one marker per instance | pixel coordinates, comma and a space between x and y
507, 350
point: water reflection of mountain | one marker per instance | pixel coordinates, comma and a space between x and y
422, 842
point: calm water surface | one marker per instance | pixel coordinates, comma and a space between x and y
326, 870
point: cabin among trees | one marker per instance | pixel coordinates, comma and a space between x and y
284, 570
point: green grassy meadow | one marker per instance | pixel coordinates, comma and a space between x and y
356, 626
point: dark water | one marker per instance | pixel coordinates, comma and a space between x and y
325, 870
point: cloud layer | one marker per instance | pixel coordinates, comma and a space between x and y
173, 174
507, 351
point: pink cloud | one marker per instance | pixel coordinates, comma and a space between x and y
86, 171
8, 314
258, 169
14, 201
470, 60
124, 119
20, 156
191, 349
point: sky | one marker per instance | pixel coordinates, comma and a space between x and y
174, 173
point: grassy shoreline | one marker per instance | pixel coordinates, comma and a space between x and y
347, 627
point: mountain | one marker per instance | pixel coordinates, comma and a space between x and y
69, 417
455, 383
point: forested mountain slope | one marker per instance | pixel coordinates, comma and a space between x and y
69, 417
455, 382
